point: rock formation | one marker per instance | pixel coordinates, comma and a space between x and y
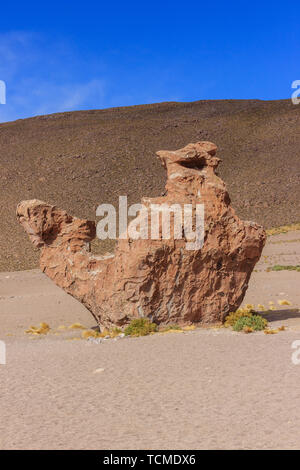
156, 278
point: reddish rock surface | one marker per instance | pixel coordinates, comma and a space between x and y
160, 279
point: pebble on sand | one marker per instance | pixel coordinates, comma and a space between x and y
98, 371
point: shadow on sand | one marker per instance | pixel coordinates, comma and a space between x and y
275, 315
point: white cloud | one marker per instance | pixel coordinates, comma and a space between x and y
58, 98
39, 77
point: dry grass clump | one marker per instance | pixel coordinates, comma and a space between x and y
271, 332
43, 329
274, 331
189, 328
283, 229
261, 307
247, 329
281, 328
171, 329
284, 302
89, 334
77, 326
113, 333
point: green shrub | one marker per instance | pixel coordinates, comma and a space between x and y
170, 327
279, 267
255, 322
140, 327
232, 318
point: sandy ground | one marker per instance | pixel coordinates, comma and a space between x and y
201, 389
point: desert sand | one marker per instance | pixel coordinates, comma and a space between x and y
202, 389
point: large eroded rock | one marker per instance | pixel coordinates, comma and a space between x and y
161, 279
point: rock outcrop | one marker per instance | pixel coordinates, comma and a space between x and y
167, 280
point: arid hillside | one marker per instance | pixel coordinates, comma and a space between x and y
78, 160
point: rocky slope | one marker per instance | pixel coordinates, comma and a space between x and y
81, 159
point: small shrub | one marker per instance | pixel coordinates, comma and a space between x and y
255, 322
176, 330
279, 267
140, 327
170, 328
232, 318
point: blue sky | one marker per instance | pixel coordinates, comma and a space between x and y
65, 55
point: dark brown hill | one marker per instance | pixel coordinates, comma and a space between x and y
80, 159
